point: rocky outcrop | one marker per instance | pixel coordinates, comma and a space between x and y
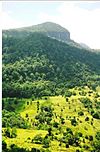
62, 36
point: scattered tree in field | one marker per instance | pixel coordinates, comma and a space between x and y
87, 119
14, 133
80, 113
4, 145
74, 122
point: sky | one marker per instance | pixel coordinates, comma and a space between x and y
81, 18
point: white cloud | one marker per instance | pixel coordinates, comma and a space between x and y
83, 24
8, 22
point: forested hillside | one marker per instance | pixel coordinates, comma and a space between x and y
38, 59
51, 92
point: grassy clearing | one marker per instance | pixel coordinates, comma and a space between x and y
24, 138
66, 109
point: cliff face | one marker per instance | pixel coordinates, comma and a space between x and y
62, 36
50, 29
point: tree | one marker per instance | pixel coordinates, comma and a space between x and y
4, 145
55, 124
87, 119
96, 115
80, 113
8, 132
68, 93
14, 133
74, 122
37, 139
49, 131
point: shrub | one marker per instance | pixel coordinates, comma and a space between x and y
80, 113
96, 115
91, 138
66, 99
13, 133
67, 145
86, 137
49, 131
68, 93
55, 124
69, 131
74, 122
26, 115
87, 119
62, 121
46, 142
4, 145
37, 139
8, 132
97, 136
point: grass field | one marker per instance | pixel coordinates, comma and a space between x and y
68, 110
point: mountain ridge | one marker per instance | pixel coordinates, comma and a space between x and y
49, 28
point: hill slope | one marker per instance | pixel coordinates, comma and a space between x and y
51, 98
40, 58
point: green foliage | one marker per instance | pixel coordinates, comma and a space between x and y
45, 66
68, 93
8, 132
14, 133
80, 113
37, 139
11, 119
87, 102
96, 115
44, 116
4, 145
97, 136
11, 133
46, 142
69, 130
36, 66
87, 119
55, 124
11, 104
74, 122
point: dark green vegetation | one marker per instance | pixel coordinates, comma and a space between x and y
50, 92
38, 65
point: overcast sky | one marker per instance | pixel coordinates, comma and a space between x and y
82, 19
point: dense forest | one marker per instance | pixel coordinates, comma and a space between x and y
50, 89
46, 64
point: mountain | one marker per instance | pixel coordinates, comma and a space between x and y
48, 28
51, 92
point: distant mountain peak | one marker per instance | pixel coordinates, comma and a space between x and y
52, 26
50, 29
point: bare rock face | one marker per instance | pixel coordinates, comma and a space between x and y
62, 36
